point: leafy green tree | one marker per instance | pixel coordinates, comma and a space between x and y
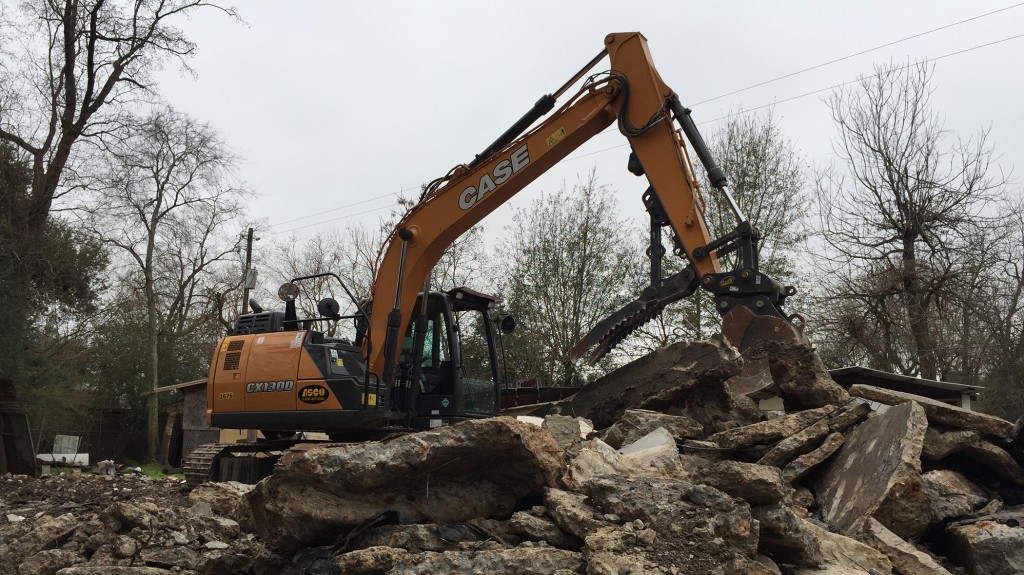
47, 317
566, 266
70, 70
768, 181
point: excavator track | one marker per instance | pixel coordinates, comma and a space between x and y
242, 462
251, 462
198, 464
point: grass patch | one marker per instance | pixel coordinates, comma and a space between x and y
156, 471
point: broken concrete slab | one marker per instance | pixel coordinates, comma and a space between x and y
849, 414
540, 560
654, 455
567, 430
993, 544
370, 560
618, 549
693, 525
415, 538
807, 462
793, 540
878, 463
801, 442
226, 499
952, 495
939, 412
783, 536
906, 559
170, 557
703, 450
799, 377
48, 562
770, 431
46, 534
754, 483
943, 495
940, 445
539, 528
571, 512
664, 377
636, 423
478, 468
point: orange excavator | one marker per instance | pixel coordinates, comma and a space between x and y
408, 366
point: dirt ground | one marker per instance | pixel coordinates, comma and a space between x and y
33, 498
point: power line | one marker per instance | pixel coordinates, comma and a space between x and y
705, 122
330, 221
320, 213
840, 85
862, 52
811, 93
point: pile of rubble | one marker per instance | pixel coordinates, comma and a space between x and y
683, 476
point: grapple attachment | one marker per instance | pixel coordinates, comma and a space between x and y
613, 329
750, 315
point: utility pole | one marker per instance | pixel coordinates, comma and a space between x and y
248, 281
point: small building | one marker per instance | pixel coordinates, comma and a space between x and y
17, 451
956, 394
191, 420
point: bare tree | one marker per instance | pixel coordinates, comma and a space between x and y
897, 215
70, 69
164, 195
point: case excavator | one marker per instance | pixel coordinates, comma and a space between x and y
406, 367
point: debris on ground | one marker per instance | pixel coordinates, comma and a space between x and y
673, 473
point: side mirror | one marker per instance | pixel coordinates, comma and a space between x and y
288, 291
328, 307
507, 324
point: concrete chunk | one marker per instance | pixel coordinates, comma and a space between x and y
803, 465
993, 544
572, 513
477, 468
755, 484
658, 381
798, 374
636, 423
939, 445
906, 559
878, 463
939, 412
791, 539
850, 414
796, 445
770, 431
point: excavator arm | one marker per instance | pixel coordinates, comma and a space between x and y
633, 95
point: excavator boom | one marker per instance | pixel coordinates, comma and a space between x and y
633, 95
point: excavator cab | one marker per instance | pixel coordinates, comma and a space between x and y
448, 372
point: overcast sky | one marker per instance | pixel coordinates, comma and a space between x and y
337, 106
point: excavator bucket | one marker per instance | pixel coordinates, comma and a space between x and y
746, 331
